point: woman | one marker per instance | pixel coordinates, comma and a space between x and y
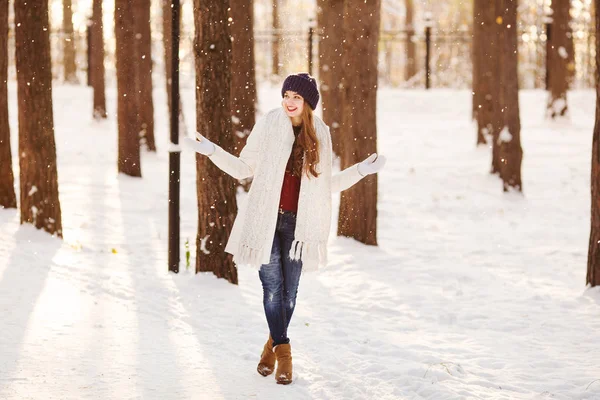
288, 211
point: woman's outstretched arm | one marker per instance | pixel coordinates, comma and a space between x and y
347, 178
238, 167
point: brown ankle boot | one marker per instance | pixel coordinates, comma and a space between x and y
266, 365
283, 353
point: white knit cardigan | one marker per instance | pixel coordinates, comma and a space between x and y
265, 156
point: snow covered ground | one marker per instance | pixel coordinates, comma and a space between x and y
472, 293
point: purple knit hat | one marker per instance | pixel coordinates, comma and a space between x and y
303, 84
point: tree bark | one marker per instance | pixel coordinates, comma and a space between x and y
485, 65
39, 200
509, 140
411, 48
570, 52
476, 58
129, 142
358, 205
143, 73
167, 30
331, 24
8, 199
243, 79
560, 60
276, 37
493, 57
69, 43
97, 63
593, 262
217, 204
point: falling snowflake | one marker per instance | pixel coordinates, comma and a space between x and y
562, 52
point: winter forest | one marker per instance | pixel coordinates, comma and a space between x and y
171, 170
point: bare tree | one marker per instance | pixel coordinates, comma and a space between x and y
143, 73
560, 59
217, 204
411, 48
97, 60
476, 60
243, 77
70, 68
593, 264
331, 23
493, 55
39, 200
167, 30
127, 121
358, 205
509, 139
8, 199
276, 44
485, 68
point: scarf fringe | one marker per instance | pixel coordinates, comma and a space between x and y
247, 255
309, 251
312, 227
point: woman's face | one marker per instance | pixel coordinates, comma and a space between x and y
293, 104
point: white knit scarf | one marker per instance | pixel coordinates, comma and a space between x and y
313, 220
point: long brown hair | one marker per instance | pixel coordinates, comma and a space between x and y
308, 142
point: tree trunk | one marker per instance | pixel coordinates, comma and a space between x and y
97, 62
411, 48
593, 10
217, 204
330, 21
276, 37
69, 43
560, 58
167, 32
143, 73
476, 39
243, 79
39, 200
509, 140
485, 64
571, 53
493, 57
593, 264
129, 142
8, 199
358, 205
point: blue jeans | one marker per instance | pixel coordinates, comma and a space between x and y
280, 278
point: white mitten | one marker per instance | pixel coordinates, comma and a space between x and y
202, 145
371, 165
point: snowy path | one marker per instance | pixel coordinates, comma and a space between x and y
472, 294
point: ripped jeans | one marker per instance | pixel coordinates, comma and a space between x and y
280, 278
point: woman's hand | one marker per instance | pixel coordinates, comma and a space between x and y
371, 165
202, 145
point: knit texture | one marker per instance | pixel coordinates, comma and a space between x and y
313, 219
303, 84
265, 155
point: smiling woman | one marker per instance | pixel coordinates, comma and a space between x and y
295, 89
293, 104
289, 155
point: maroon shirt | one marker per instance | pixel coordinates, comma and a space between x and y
290, 190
